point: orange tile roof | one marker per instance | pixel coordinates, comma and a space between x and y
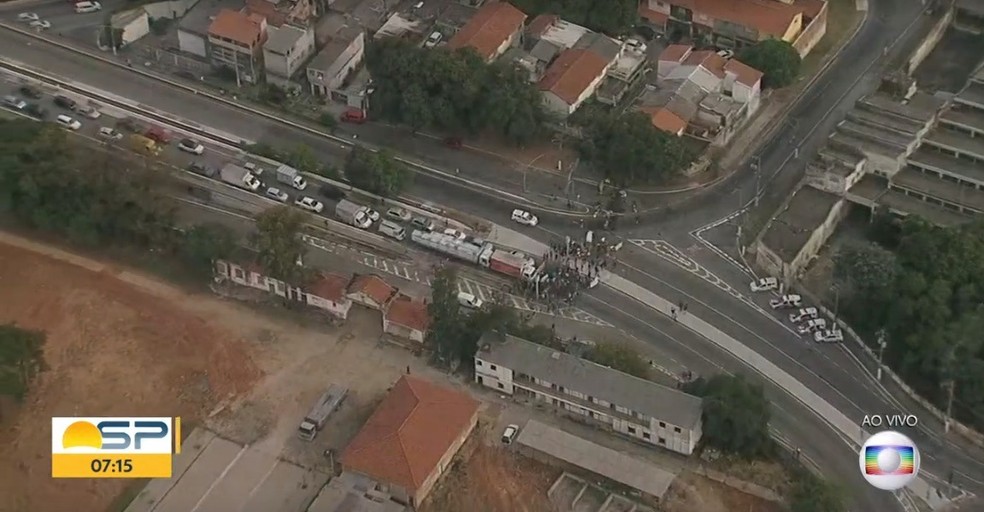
489, 28
541, 23
708, 60
655, 17
236, 26
675, 52
266, 9
770, 17
408, 313
665, 120
372, 285
743, 72
328, 286
571, 73
409, 432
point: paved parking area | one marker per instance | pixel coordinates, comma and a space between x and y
481, 290
213, 474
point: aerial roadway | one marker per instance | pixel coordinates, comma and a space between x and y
828, 371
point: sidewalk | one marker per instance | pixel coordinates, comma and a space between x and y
846, 426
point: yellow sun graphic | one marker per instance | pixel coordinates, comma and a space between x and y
82, 433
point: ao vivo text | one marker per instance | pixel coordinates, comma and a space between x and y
889, 420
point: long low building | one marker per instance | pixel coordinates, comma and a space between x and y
642, 409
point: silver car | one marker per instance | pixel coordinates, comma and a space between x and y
276, 194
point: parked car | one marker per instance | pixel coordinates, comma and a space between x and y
786, 301
191, 146
14, 102
828, 336
332, 192
635, 45
525, 218
65, 102
398, 213
253, 168
433, 40
423, 223
392, 230
41, 24
158, 135
276, 194
27, 16
509, 434
764, 284
373, 214
87, 7
354, 116
36, 110
30, 92
470, 301
309, 203
727, 54
88, 111
68, 122
109, 133
129, 124
809, 326
803, 314
455, 233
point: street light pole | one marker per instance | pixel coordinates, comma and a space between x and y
757, 165
881, 351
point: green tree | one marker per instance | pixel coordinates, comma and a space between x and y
205, 243
866, 267
302, 157
376, 172
329, 121
736, 415
777, 60
278, 242
21, 359
447, 328
629, 150
620, 356
811, 493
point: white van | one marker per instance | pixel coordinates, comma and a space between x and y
84, 7
470, 301
68, 122
392, 230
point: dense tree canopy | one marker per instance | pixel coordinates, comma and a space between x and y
376, 172
613, 17
278, 242
811, 493
620, 356
929, 299
736, 415
21, 358
629, 150
455, 92
778, 60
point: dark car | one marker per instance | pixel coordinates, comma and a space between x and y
332, 192
30, 91
131, 125
36, 110
65, 102
202, 169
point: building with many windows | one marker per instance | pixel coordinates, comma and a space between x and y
647, 411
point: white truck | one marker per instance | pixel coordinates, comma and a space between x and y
239, 177
315, 420
291, 176
353, 214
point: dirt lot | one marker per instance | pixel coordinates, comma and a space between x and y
489, 478
691, 492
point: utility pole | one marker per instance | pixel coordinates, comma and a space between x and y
950, 384
881, 351
757, 165
836, 302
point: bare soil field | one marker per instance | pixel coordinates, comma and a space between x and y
492, 479
691, 492
118, 344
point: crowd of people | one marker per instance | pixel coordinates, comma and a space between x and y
570, 266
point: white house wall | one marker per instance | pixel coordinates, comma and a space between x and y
172, 9
191, 43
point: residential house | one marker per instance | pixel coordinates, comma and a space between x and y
407, 319
235, 41
327, 292
571, 79
665, 120
287, 47
495, 28
300, 13
132, 25
646, 411
370, 291
343, 54
411, 438
350, 492
728, 23
194, 25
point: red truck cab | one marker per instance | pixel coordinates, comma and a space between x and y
158, 135
354, 116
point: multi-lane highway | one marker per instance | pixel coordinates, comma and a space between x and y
668, 270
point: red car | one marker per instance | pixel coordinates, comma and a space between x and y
354, 116
158, 135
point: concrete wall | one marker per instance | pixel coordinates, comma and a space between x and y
192, 43
813, 33
170, 9
927, 44
819, 237
769, 261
